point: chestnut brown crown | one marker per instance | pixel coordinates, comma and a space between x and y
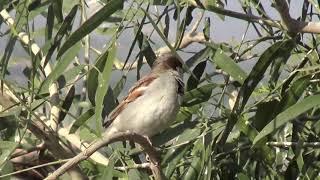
166, 61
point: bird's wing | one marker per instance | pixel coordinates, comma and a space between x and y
136, 91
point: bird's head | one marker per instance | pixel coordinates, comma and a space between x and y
167, 61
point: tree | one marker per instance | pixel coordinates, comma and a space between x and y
236, 121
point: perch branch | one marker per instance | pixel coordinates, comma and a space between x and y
77, 144
120, 136
75, 141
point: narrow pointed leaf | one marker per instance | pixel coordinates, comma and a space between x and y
275, 51
63, 30
81, 120
198, 95
202, 54
66, 104
287, 115
229, 66
251, 82
59, 68
92, 23
57, 7
103, 84
193, 82
294, 93
50, 23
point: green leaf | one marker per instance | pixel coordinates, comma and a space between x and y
119, 86
93, 22
6, 169
161, 2
59, 68
87, 133
107, 172
246, 128
278, 65
50, 23
181, 131
229, 66
202, 54
167, 25
42, 9
173, 157
287, 115
57, 9
193, 82
6, 148
195, 167
4, 3
242, 176
185, 113
63, 30
135, 174
72, 73
215, 6
145, 48
81, 120
103, 84
9, 127
109, 102
137, 31
198, 95
66, 104
293, 94
7, 54
206, 29
16, 110
93, 74
188, 134
264, 113
273, 52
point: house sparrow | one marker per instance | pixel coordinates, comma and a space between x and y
153, 102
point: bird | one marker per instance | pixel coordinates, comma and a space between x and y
152, 103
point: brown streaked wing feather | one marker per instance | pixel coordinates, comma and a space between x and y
136, 91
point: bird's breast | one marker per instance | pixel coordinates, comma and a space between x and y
154, 110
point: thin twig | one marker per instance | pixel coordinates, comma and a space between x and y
135, 166
295, 25
76, 142
35, 167
120, 136
290, 144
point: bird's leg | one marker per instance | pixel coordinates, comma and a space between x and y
156, 163
148, 139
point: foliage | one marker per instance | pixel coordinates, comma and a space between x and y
250, 110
